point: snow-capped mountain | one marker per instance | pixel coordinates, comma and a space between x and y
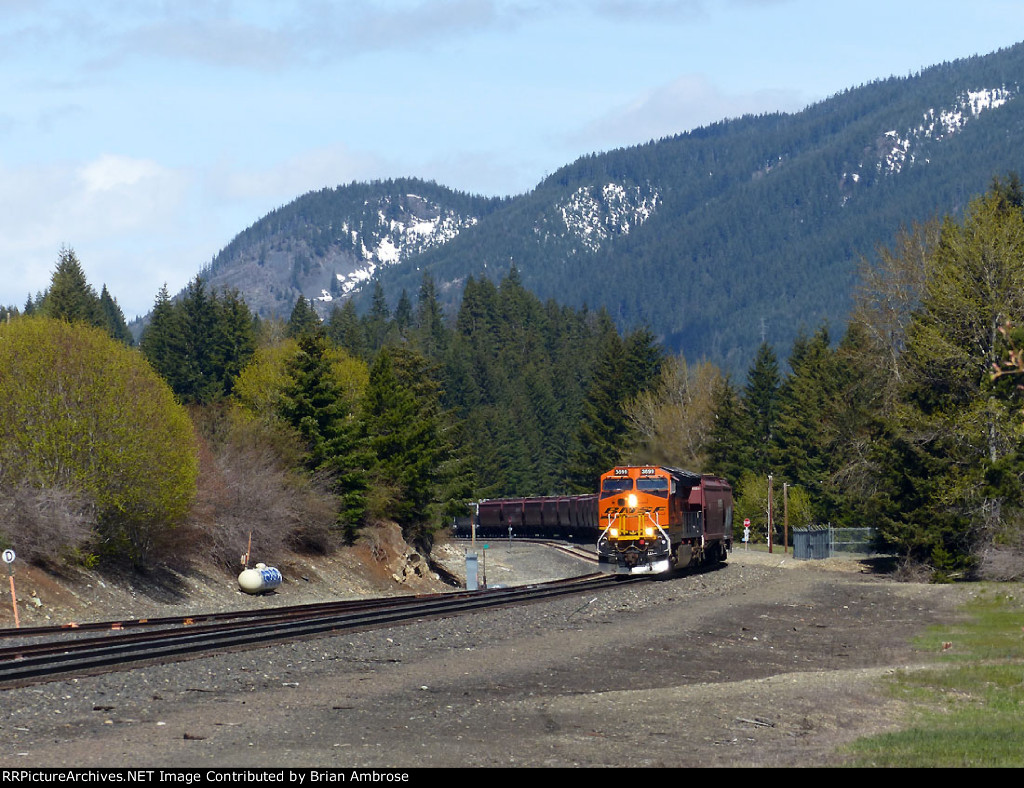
715, 238
328, 243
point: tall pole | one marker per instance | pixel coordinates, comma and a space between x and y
769, 512
785, 517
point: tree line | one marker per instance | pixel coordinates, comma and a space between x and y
908, 424
307, 430
402, 414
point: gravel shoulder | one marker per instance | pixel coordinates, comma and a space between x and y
765, 661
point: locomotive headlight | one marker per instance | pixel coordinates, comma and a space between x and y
648, 531
613, 532
632, 500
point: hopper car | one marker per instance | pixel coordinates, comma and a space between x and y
572, 517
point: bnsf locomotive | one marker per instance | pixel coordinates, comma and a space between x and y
645, 519
654, 519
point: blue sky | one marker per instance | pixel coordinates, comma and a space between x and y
145, 135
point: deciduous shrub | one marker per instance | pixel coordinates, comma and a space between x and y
86, 415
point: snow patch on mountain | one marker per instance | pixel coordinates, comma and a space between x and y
899, 149
401, 230
595, 215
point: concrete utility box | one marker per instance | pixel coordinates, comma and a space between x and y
471, 577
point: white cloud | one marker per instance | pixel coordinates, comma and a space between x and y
123, 210
305, 171
686, 103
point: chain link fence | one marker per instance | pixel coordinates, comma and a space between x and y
824, 541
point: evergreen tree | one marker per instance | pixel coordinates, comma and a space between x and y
800, 452
345, 331
196, 377
950, 465
314, 405
377, 323
200, 343
431, 332
235, 337
729, 447
644, 357
303, 320
403, 315
114, 318
160, 342
70, 297
760, 400
604, 431
412, 441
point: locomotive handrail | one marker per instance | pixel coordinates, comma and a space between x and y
658, 525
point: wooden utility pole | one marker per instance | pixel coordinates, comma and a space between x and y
785, 517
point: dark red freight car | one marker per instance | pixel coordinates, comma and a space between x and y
562, 516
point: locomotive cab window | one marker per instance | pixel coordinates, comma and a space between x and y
653, 485
616, 485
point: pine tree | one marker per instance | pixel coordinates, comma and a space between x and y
114, 318
161, 338
377, 324
411, 439
345, 331
431, 332
403, 315
303, 320
950, 465
235, 337
604, 432
314, 405
799, 450
197, 378
70, 297
729, 448
200, 343
760, 400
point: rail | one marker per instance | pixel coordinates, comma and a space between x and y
64, 651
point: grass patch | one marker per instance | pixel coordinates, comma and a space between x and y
969, 709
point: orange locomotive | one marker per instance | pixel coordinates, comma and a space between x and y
654, 519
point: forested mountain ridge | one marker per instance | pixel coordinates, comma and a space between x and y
325, 244
716, 239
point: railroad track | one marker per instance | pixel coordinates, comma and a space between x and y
49, 653
588, 553
576, 551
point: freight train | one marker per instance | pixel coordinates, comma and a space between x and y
645, 519
655, 519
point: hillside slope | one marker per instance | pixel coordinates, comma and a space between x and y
748, 229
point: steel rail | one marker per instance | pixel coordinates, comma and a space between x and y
37, 662
74, 628
254, 613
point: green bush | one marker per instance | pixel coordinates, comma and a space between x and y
84, 414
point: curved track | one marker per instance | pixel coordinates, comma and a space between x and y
48, 653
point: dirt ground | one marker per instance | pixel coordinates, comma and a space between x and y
765, 661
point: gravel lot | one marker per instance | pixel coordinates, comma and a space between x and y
765, 661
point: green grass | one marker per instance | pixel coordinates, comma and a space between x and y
969, 709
